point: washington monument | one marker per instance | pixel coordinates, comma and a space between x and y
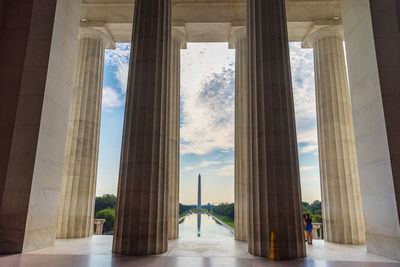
199, 194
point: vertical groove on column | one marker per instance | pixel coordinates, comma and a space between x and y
141, 213
80, 165
173, 138
274, 184
241, 139
341, 199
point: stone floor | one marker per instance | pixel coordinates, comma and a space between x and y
188, 252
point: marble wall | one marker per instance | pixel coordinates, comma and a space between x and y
12, 53
386, 26
37, 70
372, 104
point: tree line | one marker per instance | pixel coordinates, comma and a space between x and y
314, 209
105, 209
225, 209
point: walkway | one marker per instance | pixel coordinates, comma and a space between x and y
224, 224
188, 252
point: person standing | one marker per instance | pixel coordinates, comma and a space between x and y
305, 226
308, 229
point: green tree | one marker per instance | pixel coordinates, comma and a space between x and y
316, 218
316, 205
104, 202
183, 208
225, 209
220, 209
109, 215
314, 209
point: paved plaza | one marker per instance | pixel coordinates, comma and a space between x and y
189, 252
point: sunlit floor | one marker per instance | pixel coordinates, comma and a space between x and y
188, 252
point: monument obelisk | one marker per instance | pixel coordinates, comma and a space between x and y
199, 194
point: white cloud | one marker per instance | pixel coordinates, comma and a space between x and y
308, 140
207, 91
119, 59
203, 164
225, 171
207, 94
208, 102
188, 168
208, 163
111, 98
309, 148
308, 135
307, 168
302, 66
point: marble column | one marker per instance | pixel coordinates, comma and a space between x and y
76, 206
178, 42
341, 200
274, 183
141, 219
238, 41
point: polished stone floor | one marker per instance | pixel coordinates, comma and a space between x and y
188, 252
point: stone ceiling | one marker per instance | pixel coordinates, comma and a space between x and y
208, 20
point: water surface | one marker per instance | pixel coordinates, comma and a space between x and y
202, 225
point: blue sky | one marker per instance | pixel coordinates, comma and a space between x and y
207, 121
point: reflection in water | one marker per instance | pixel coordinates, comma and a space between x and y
198, 224
202, 225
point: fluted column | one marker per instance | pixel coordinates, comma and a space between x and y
177, 43
238, 41
142, 205
76, 206
274, 184
341, 200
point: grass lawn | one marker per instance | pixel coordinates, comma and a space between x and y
225, 219
198, 210
182, 214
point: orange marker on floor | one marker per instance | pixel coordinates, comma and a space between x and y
273, 248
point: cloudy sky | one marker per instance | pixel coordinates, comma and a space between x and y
207, 121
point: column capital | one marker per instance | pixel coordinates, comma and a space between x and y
98, 33
179, 36
318, 33
236, 33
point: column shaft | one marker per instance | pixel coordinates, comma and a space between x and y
341, 200
141, 212
75, 215
274, 184
241, 138
173, 136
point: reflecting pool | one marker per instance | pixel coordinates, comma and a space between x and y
202, 225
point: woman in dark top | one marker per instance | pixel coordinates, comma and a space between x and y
309, 228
